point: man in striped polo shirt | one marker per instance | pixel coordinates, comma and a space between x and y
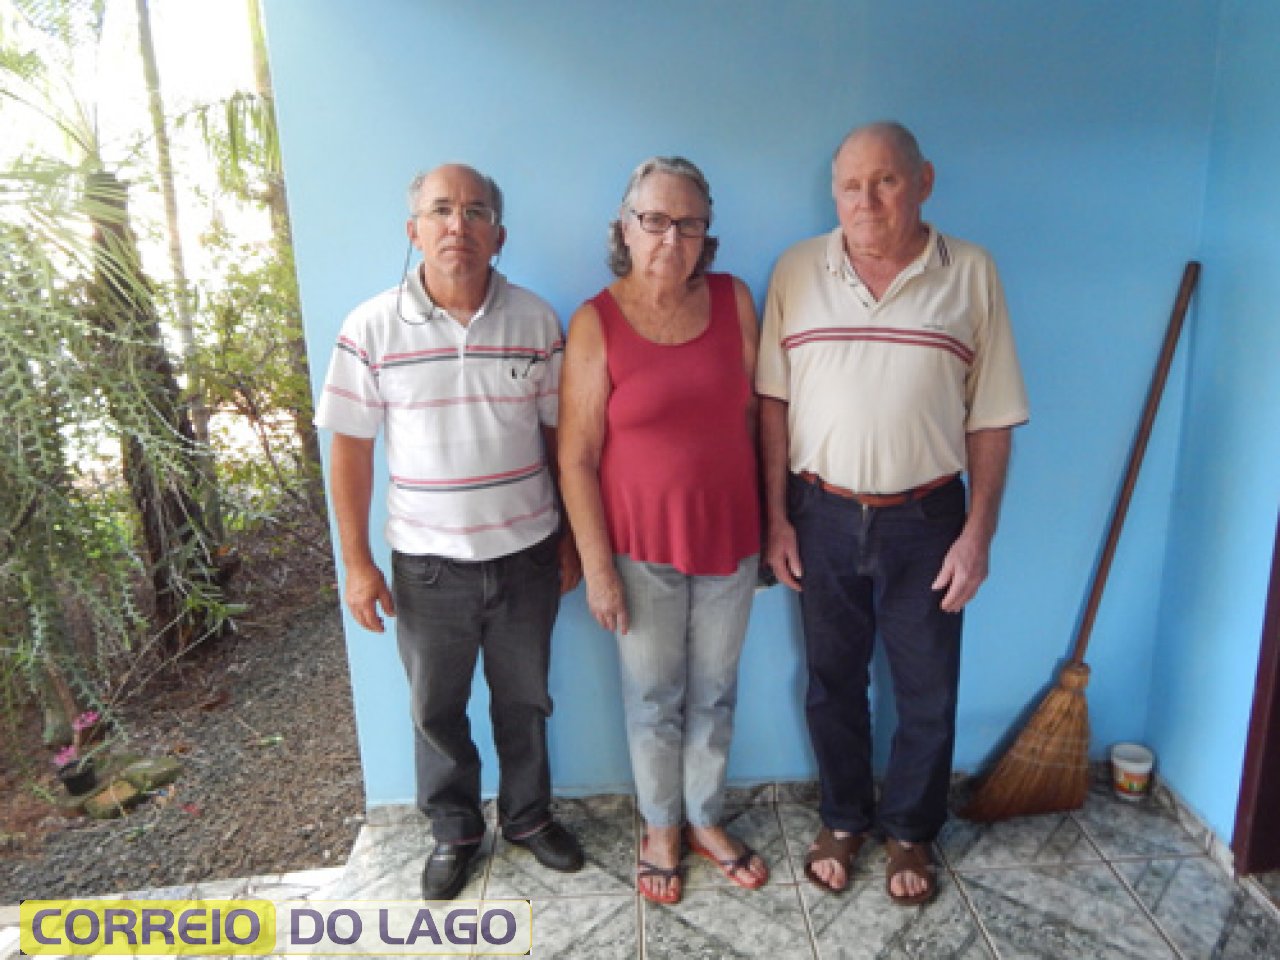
887, 369
459, 369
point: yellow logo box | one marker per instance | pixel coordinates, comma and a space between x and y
174, 928
215, 928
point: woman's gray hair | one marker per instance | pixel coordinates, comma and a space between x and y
495, 193
619, 256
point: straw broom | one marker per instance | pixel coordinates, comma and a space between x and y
1046, 768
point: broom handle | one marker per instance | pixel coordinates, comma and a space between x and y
1189, 277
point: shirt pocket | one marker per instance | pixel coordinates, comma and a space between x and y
526, 372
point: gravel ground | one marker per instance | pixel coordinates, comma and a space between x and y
263, 726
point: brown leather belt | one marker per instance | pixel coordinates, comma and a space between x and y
878, 499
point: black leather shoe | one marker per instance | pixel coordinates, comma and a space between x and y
445, 874
554, 847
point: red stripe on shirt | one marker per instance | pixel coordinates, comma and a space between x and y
461, 401
458, 401
481, 348
358, 350
353, 397
917, 338
481, 527
462, 481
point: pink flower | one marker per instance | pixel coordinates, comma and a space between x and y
84, 721
66, 756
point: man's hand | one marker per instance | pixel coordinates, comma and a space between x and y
606, 601
782, 553
964, 568
570, 563
366, 589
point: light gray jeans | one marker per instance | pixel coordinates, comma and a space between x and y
679, 666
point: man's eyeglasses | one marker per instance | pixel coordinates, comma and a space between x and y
654, 222
471, 213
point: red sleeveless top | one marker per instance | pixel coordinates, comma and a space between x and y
678, 468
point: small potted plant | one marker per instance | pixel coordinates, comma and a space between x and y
75, 769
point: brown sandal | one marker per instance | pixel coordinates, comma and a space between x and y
827, 846
913, 859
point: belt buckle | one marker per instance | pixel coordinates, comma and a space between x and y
882, 500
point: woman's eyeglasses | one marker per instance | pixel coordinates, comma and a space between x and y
657, 223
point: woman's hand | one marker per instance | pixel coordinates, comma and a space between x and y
607, 602
570, 562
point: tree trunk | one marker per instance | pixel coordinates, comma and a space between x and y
282, 230
164, 162
180, 551
199, 411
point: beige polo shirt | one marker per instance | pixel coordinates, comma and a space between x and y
881, 394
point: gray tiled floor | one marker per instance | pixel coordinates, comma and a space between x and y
1113, 880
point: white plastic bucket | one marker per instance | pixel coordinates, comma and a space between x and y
1131, 765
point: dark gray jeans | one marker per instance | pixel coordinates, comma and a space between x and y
447, 611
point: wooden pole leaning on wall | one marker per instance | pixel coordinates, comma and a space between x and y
1046, 767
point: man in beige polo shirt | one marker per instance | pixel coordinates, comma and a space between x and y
887, 371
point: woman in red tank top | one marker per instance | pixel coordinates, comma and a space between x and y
658, 471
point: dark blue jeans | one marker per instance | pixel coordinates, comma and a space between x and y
868, 574
447, 611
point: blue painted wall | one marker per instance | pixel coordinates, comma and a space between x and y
1071, 139
1223, 524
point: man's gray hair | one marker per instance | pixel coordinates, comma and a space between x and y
903, 141
619, 256
495, 192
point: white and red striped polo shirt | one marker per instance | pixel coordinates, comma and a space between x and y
881, 393
461, 409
